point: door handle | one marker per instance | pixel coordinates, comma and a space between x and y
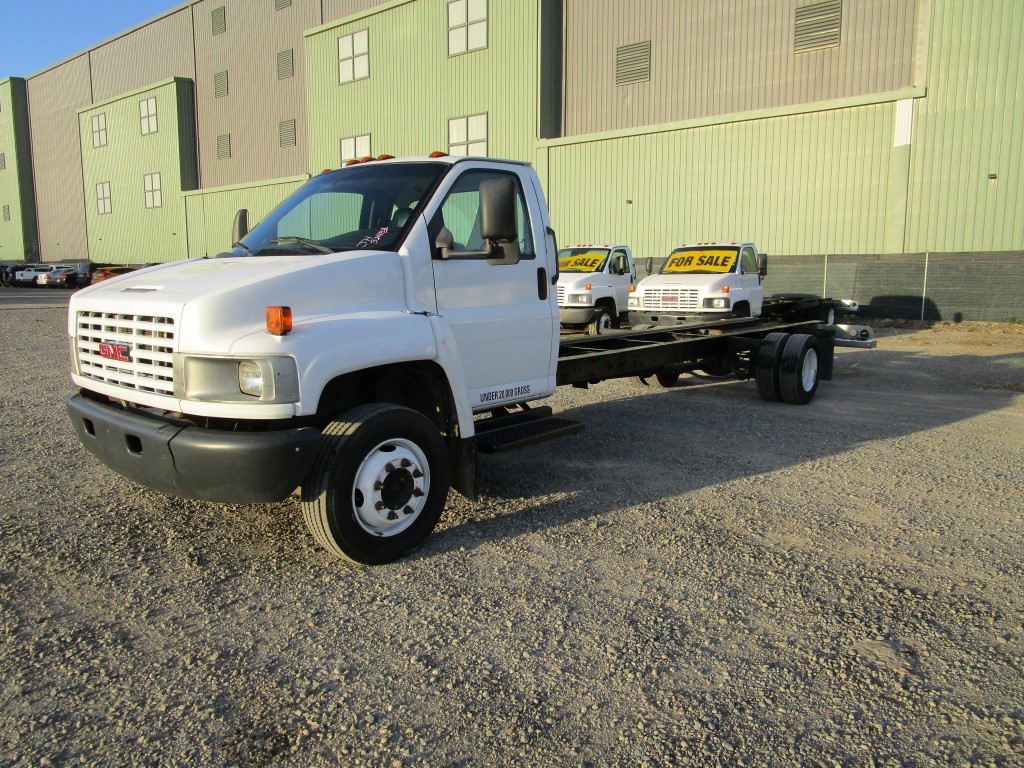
542, 284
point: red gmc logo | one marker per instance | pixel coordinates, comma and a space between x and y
670, 298
119, 352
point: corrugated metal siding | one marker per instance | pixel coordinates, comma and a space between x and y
132, 233
970, 125
211, 212
54, 96
805, 183
410, 66
150, 54
12, 236
257, 101
339, 9
718, 57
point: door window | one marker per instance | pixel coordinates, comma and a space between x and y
460, 214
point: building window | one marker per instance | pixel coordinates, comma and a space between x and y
354, 57
817, 26
468, 136
280, 5
103, 198
7, 213
286, 133
218, 20
220, 84
151, 184
99, 130
285, 64
224, 146
467, 26
147, 115
355, 147
633, 63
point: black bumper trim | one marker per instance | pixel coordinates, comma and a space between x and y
193, 462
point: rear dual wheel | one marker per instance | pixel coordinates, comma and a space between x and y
787, 368
378, 484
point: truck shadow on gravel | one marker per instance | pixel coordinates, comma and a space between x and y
643, 445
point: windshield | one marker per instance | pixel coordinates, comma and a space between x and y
582, 260
362, 206
700, 261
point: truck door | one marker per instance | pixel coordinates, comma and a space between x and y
504, 318
750, 280
621, 271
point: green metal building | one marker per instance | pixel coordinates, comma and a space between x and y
828, 127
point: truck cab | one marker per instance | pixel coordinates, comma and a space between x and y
594, 282
701, 280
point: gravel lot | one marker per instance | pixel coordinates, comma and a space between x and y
700, 578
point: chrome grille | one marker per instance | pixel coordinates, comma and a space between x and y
150, 356
671, 299
561, 294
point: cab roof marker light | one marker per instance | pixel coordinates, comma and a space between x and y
279, 320
385, 157
438, 153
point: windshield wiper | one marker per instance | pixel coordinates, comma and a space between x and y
315, 245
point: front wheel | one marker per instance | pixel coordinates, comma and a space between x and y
601, 323
378, 484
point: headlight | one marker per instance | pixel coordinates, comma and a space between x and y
716, 303
236, 380
250, 378
581, 298
633, 301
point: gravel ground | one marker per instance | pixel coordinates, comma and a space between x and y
700, 578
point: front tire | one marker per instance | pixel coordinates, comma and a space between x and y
601, 323
378, 484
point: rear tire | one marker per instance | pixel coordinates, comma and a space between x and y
378, 484
798, 374
769, 356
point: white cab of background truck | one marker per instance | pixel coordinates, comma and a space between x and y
594, 282
705, 279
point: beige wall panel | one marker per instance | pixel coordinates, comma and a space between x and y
339, 9
149, 54
716, 57
257, 101
54, 98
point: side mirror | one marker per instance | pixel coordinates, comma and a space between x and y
498, 210
762, 264
650, 266
240, 227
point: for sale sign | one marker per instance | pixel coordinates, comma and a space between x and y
707, 260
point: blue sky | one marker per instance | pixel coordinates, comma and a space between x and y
39, 33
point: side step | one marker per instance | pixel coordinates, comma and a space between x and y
521, 429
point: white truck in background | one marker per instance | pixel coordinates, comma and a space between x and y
702, 280
594, 284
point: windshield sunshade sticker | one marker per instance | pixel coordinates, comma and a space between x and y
581, 262
700, 261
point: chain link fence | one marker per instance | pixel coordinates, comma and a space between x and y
985, 285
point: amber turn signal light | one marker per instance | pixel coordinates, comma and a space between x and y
279, 320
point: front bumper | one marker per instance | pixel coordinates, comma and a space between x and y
662, 318
575, 315
193, 462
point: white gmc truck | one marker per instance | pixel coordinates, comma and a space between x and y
594, 283
381, 327
723, 279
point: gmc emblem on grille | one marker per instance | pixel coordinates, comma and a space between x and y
120, 352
